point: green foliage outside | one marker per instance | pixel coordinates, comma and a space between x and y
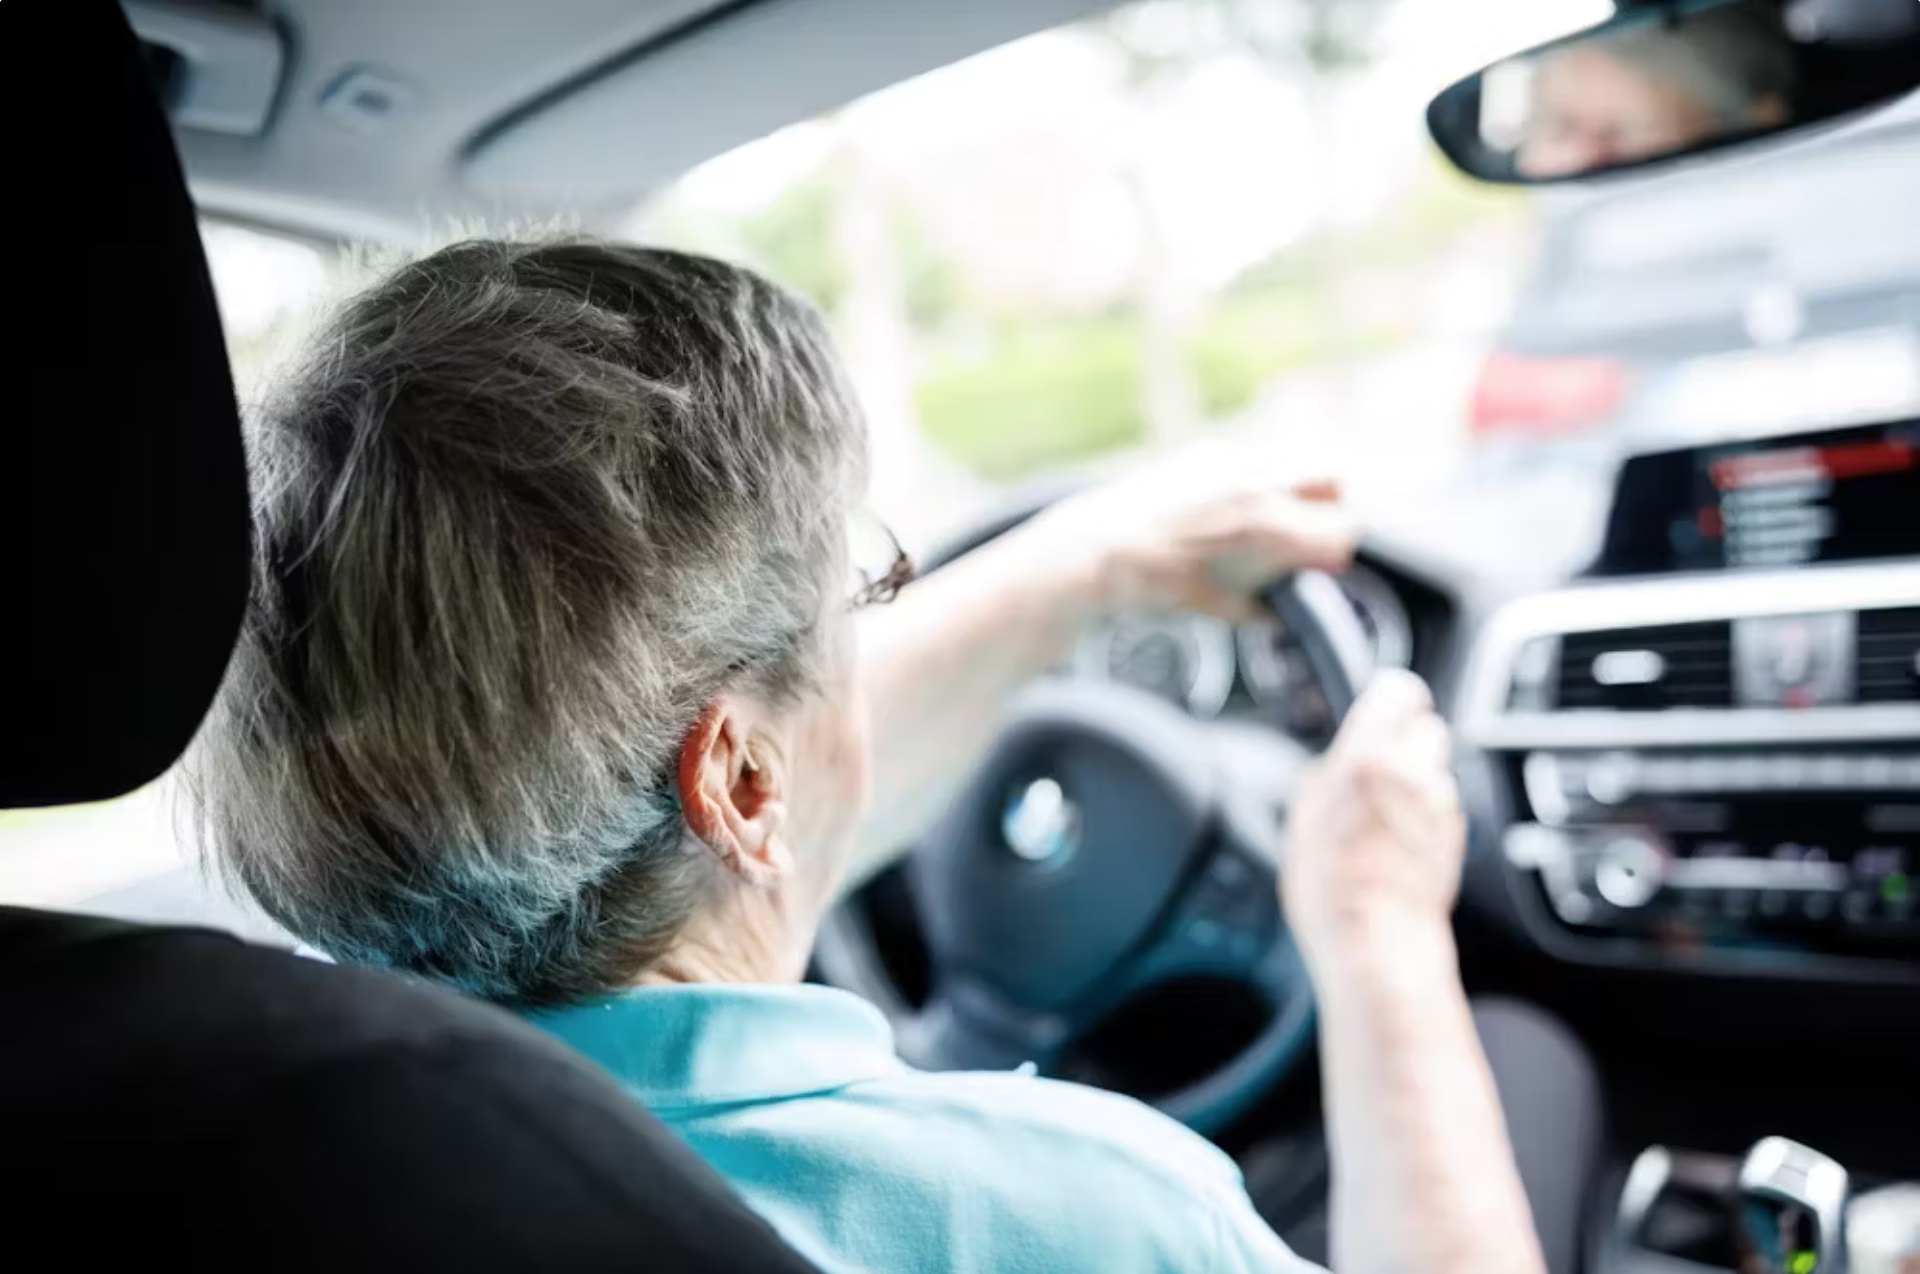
1055, 392
22, 820
1440, 206
1055, 389
792, 240
1051, 393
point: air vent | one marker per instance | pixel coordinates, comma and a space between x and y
1889, 667
1642, 669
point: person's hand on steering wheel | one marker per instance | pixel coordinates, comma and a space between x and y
1423, 1174
1376, 834
1204, 532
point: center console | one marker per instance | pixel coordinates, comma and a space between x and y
1782, 1208
1715, 738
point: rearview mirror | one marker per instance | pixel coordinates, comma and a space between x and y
1660, 81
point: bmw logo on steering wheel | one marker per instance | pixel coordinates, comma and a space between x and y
1040, 825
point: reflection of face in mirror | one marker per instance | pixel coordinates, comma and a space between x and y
1645, 91
1592, 110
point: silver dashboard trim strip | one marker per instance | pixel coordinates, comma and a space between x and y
1485, 722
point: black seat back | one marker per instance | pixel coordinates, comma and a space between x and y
123, 557
173, 1094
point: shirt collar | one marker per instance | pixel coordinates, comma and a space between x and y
703, 1044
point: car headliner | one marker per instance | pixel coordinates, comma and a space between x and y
564, 107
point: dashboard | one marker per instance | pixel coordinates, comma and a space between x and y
1701, 753
1711, 743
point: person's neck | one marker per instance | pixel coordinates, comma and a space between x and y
688, 966
740, 944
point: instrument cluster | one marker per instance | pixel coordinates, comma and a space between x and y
1213, 668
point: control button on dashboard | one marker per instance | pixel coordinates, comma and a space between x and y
1737, 904
1612, 777
1572, 907
1817, 906
1628, 872
1856, 907
1697, 904
1746, 773
1660, 774
1772, 903
1833, 771
1877, 771
1786, 770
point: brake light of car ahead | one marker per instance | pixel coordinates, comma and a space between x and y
1541, 397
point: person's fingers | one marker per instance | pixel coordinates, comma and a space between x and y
1297, 535
1416, 807
1414, 765
1393, 698
1427, 744
1419, 761
1431, 790
1262, 538
1317, 490
1200, 591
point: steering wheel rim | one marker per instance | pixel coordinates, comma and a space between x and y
1195, 888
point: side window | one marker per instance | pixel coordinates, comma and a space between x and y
268, 286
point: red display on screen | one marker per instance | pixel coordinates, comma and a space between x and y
1837, 495
1840, 462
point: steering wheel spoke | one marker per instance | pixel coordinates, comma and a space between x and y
1224, 921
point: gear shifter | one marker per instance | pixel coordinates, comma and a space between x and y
1790, 1210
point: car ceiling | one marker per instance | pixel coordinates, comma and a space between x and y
503, 109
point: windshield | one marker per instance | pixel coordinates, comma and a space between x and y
1182, 220
1190, 219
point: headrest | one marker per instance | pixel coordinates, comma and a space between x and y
123, 499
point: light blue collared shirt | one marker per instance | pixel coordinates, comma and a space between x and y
795, 1094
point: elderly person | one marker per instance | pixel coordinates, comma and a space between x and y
551, 690
1658, 88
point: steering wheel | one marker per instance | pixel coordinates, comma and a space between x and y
1099, 852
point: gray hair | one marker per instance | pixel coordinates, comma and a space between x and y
522, 511
1725, 59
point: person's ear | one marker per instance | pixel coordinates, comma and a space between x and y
733, 796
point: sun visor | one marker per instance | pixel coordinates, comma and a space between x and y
123, 522
727, 79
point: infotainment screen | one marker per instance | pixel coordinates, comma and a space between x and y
1835, 496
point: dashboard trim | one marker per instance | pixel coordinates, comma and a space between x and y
1485, 722
1529, 879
